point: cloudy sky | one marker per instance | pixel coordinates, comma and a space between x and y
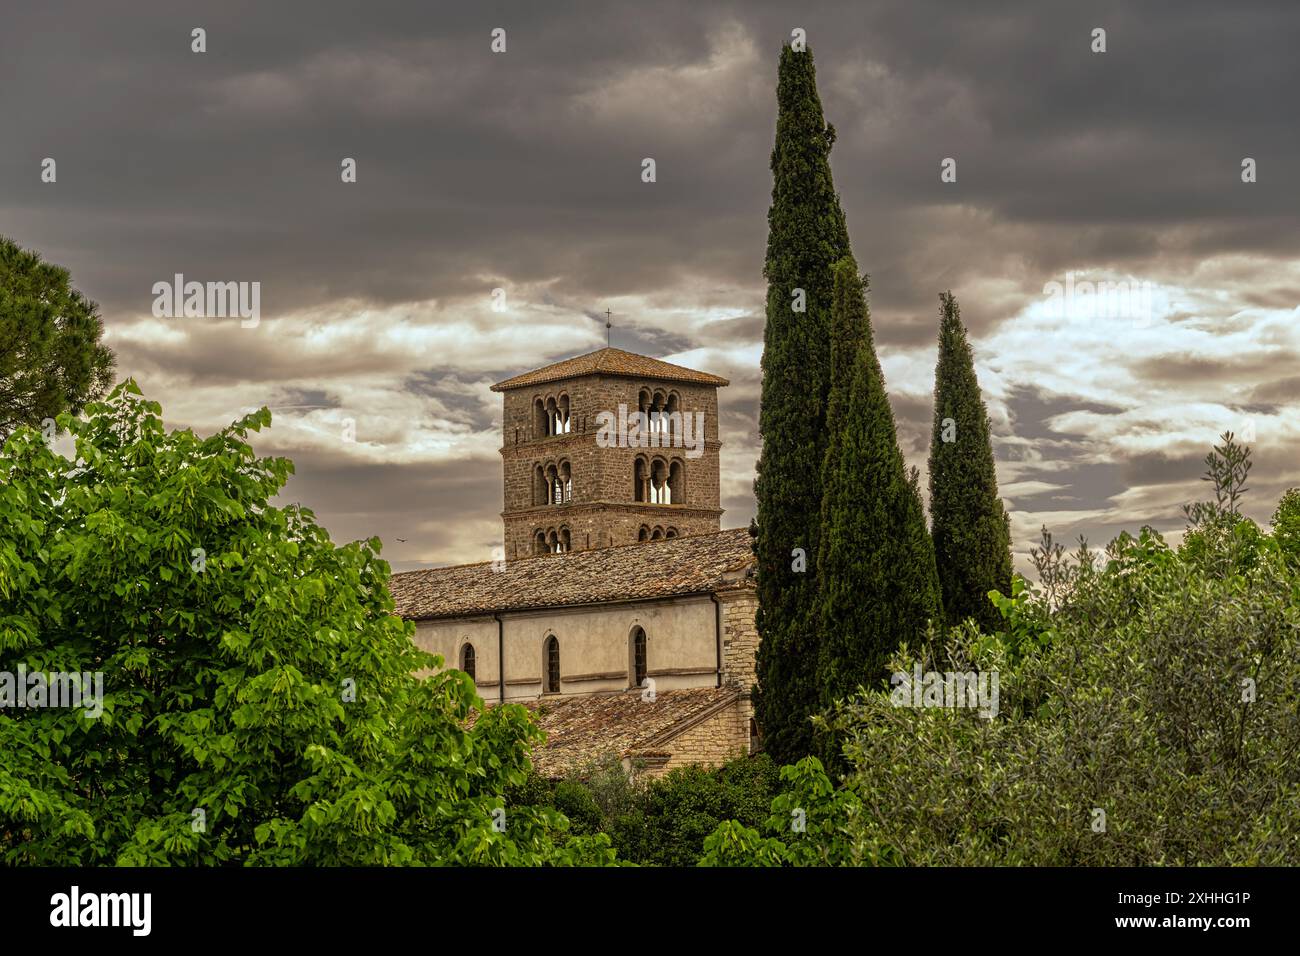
522, 171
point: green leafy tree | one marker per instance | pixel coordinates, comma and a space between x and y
806, 236
972, 535
259, 700
51, 359
875, 566
810, 824
1286, 525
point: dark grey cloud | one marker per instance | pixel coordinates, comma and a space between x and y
522, 171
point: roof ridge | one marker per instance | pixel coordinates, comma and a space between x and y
598, 362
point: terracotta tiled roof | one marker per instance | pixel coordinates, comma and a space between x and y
610, 362
694, 564
582, 729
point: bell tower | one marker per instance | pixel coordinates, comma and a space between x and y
608, 448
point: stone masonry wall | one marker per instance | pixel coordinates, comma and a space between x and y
602, 476
740, 644
711, 742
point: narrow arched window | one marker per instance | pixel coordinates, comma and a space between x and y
641, 480
670, 533
539, 542
643, 534
467, 660
539, 486
562, 419
539, 419
658, 406
552, 665
638, 657
552, 416
676, 480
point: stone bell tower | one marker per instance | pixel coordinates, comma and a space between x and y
608, 448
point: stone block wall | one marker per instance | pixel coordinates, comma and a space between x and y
740, 644
711, 742
603, 510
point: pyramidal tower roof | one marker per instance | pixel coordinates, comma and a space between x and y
610, 361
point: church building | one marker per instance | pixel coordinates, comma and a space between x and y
619, 612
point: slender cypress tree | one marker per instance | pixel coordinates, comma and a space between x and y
806, 236
875, 567
972, 535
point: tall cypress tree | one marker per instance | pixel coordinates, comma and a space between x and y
875, 567
806, 236
972, 535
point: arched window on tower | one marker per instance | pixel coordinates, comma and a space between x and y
539, 542
563, 422
564, 482
467, 660
539, 486
641, 480
638, 654
657, 407
660, 494
676, 483
670, 533
672, 423
643, 534
552, 412
539, 419
552, 685
552, 479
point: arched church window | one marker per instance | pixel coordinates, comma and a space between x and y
638, 657
552, 665
467, 660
